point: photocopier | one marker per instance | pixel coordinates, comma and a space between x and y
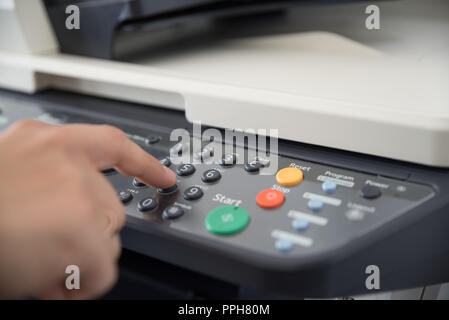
357, 118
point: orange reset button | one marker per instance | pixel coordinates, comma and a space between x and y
289, 176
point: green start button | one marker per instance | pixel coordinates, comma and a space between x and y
227, 220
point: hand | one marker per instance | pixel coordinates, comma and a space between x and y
57, 209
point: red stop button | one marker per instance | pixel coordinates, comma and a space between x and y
270, 198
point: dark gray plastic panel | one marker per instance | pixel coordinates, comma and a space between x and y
406, 235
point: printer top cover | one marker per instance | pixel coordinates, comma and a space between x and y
336, 84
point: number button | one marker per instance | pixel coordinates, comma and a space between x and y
138, 183
193, 193
165, 161
228, 160
204, 154
125, 196
265, 162
253, 166
211, 175
147, 204
172, 212
168, 190
179, 148
185, 170
152, 139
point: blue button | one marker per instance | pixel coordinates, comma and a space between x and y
300, 224
283, 245
315, 205
329, 186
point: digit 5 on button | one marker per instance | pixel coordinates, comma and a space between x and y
270, 198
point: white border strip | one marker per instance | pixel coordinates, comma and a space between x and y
328, 200
344, 183
297, 239
311, 218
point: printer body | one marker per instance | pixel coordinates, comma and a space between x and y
355, 180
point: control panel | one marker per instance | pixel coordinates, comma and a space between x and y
301, 208
276, 225
304, 207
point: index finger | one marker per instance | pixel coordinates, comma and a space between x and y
107, 146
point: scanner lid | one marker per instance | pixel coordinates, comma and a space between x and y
382, 94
